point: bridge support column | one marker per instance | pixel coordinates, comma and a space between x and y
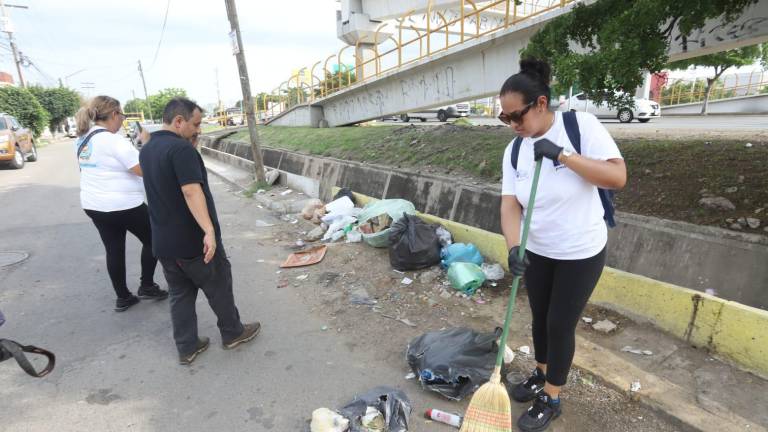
363, 53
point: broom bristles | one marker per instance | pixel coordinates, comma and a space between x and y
489, 410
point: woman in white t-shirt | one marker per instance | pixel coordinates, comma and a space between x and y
565, 253
112, 195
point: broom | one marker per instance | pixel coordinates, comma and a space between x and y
489, 410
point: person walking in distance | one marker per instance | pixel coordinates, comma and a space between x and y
186, 235
112, 195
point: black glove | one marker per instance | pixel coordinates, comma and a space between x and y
516, 265
546, 148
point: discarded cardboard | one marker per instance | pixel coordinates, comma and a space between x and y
305, 258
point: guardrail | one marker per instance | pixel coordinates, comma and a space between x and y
679, 92
465, 27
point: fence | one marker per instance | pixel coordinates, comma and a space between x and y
687, 91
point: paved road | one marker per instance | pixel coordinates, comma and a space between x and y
670, 122
118, 371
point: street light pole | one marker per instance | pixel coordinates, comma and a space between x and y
237, 48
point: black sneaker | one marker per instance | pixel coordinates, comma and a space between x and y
202, 345
152, 292
527, 390
122, 304
540, 415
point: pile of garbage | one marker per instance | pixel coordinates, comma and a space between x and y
413, 243
381, 409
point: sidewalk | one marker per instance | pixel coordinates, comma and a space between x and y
688, 387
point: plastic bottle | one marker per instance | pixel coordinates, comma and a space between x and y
444, 417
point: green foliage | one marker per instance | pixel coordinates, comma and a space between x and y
136, 106
693, 91
157, 101
333, 81
615, 41
723, 60
58, 102
22, 104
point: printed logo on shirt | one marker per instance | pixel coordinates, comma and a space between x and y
85, 156
521, 175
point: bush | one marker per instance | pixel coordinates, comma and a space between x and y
20, 103
58, 102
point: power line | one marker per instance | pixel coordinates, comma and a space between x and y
162, 33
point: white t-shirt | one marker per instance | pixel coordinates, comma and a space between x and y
567, 221
106, 184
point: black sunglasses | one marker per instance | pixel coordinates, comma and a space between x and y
516, 116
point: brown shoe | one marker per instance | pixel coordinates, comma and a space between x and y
202, 345
250, 331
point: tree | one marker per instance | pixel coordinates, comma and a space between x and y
157, 101
333, 81
58, 102
136, 106
22, 104
721, 61
607, 46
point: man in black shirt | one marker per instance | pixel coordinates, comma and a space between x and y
186, 234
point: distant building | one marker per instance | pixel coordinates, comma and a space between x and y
6, 79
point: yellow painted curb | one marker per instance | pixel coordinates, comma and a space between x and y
731, 329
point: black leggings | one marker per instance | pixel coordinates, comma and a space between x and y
112, 227
558, 291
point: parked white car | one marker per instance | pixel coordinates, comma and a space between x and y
644, 109
442, 113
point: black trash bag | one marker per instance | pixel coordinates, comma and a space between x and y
345, 192
413, 244
453, 362
393, 403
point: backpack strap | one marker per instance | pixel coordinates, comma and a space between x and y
9, 348
516, 151
606, 195
86, 139
572, 129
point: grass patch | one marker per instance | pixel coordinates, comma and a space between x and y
666, 177
255, 187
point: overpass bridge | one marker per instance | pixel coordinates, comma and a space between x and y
460, 50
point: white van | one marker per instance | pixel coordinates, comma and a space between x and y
442, 113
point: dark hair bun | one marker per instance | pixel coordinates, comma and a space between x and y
537, 70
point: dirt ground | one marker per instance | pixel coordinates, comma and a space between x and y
402, 312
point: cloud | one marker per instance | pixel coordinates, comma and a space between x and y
108, 39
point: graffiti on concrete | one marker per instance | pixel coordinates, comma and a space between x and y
718, 33
420, 90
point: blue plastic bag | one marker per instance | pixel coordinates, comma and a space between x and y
460, 252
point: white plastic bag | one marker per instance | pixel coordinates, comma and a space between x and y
354, 236
493, 271
339, 205
338, 225
325, 420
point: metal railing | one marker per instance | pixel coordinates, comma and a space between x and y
466, 26
679, 92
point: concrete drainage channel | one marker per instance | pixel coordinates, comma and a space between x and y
704, 259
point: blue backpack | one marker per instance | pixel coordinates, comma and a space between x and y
574, 135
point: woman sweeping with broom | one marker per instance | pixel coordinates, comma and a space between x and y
565, 250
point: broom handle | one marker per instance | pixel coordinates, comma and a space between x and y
516, 280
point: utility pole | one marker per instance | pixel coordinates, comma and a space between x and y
146, 95
218, 93
237, 48
9, 30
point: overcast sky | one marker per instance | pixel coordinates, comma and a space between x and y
107, 38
